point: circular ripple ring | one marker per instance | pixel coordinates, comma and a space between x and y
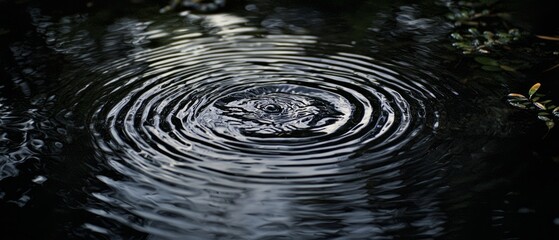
276, 111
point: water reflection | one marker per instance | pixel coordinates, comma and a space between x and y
221, 132
226, 126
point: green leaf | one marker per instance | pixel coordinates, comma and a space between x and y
507, 68
457, 36
474, 31
518, 105
555, 112
540, 106
544, 118
517, 97
490, 68
533, 89
487, 61
550, 124
539, 94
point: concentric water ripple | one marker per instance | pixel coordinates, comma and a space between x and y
275, 111
214, 134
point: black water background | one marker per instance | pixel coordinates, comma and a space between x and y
513, 194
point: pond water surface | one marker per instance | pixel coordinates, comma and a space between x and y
264, 120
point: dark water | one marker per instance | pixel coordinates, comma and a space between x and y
265, 120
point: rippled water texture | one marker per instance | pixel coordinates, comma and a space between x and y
226, 126
244, 135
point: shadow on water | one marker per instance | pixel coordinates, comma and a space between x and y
264, 120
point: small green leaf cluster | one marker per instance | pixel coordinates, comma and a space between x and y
475, 42
547, 111
467, 17
479, 29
